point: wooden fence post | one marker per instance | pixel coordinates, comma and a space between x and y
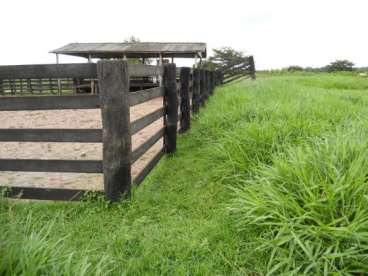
219, 77
196, 97
212, 73
185, 102
214, 79
171, 105
202, 87
252, 68
113, 79
208, 79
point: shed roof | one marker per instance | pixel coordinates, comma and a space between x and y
133, 49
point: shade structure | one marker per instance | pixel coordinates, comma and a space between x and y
134, 50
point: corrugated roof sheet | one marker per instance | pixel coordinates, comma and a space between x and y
133, 49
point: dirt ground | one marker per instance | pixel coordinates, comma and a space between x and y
71, 151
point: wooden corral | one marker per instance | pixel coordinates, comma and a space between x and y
182, 96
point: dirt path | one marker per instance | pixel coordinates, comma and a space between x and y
71, 151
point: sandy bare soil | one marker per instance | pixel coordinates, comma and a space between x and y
70, 151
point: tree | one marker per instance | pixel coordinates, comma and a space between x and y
224, 58
233, 64
339, 65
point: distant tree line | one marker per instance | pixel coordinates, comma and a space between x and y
340, 65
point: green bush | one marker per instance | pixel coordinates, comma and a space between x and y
310, 206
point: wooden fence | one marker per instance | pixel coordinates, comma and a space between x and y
184, 91
237, 69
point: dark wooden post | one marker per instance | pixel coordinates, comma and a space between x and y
185, 102
171, 105
40, 85
202, 87
1, 88
51, 87
117, 145
216, 77
13, 89
208, 82
252, 68
219, 77
212, 74
29, 86
196, 99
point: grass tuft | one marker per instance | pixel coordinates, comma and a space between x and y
310, 206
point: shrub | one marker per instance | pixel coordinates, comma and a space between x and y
310, 207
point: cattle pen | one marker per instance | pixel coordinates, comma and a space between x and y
137, 111
184, 90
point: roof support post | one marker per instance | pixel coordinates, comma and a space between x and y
160, 62
92, 81
58, 81
200, 58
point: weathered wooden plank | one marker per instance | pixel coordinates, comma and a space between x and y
171, 104
49, 102
141, 123
240, 67
36, 165
44, 71
237, 72
235, 78
185, 102
142, 149
145, 95
51, 135
252, 67
142, 70
149, 167
117, 145
44, 193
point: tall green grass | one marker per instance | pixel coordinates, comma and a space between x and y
310, 205
270, 179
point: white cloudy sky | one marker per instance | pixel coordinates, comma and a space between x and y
278, 33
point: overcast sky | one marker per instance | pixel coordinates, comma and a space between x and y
278, 33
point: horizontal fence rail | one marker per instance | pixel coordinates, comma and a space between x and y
57, 79
49, 102
149, 167
45, 71
36, 165
142, 149
51, 135
184, 91
240, 68
145, 95
45, 193
141, 70
145, 121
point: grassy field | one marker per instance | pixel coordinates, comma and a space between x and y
272, 178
